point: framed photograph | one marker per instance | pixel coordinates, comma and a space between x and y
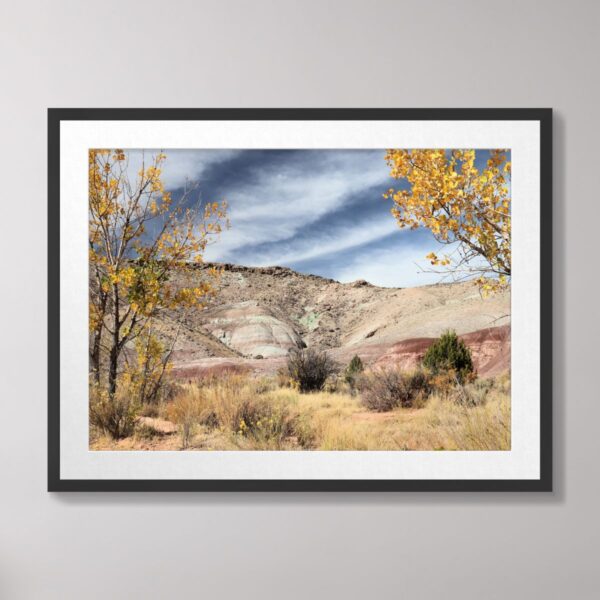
300, 300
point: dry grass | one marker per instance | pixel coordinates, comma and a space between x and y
240, 413
114, 417
383, 390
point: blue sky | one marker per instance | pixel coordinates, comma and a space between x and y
315, 211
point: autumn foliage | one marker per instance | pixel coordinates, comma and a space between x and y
140, 237
465, 207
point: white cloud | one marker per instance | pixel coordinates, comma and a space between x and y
286, 211
322, 245
398, 266
180, 165
305, 196
280, 202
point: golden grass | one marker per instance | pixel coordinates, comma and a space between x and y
240, 413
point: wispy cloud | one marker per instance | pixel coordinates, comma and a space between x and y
318, 211
321, 245
280, 202
400, 264
180, 166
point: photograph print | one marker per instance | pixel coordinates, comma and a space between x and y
299, 299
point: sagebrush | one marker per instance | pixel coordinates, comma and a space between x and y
385, 389
309, 368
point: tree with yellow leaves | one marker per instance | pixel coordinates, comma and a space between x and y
142, 246
464, 206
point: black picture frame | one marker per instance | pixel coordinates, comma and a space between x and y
58, 115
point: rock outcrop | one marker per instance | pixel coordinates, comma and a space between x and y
251, 329
266, 311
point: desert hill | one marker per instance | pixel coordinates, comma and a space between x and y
259, 314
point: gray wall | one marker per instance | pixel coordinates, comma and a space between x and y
260, 53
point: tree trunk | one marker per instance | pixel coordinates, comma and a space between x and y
115, 349
99, 301
112, 371
95, 356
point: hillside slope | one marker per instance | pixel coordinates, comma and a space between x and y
259, 314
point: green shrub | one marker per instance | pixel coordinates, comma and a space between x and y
449, 353
353, 370
309, 369
386, 389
